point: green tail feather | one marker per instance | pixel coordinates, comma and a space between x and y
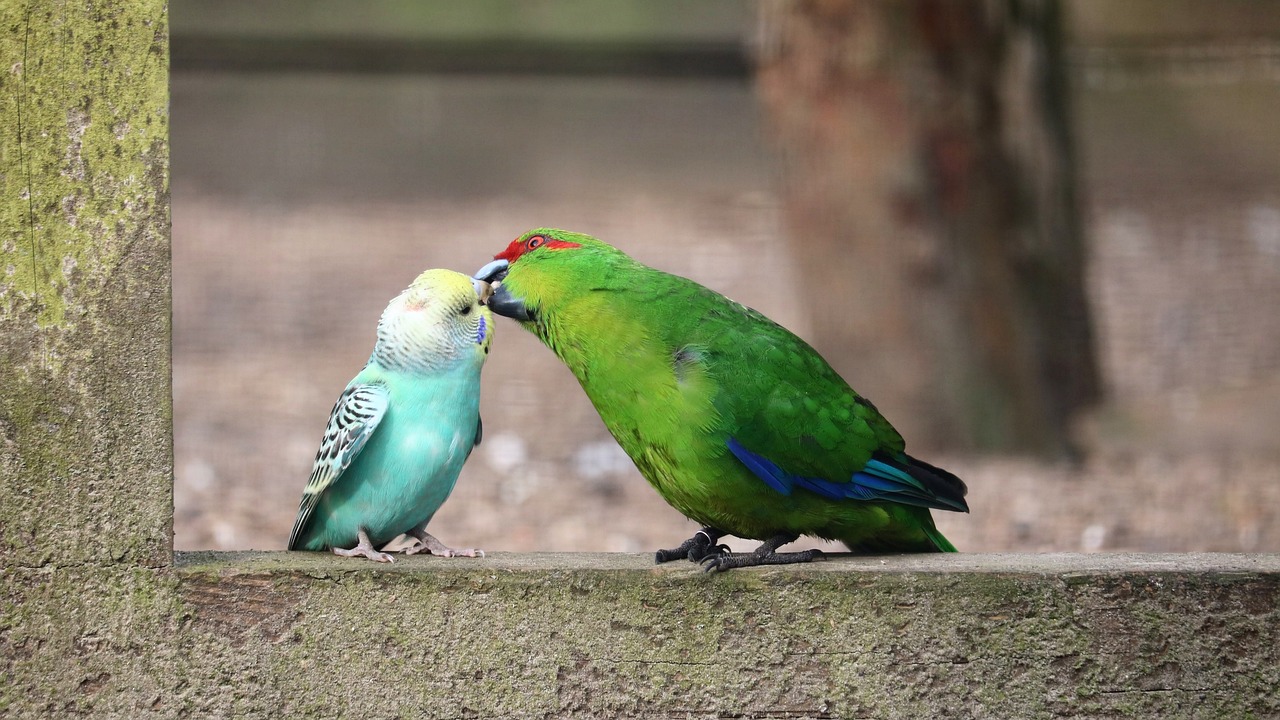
943, 544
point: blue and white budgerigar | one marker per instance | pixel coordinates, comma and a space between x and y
400, 432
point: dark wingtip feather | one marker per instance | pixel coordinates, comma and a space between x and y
943, 484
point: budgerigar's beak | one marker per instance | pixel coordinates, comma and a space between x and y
501, 301
483, 290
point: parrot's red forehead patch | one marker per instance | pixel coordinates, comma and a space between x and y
519, 247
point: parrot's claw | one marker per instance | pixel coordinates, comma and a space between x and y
364, 552
717, 551
766, 554
446, 552
429, 544
364, 549
697, 548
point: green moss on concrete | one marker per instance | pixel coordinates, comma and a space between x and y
609, 635
87, 100
85, 442
90, 640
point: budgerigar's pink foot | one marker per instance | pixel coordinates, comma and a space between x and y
429, 544
364, 549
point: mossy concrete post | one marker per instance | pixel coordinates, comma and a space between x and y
97, 617
86, 479
85, 439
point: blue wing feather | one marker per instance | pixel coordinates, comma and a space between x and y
765, 470
877, 480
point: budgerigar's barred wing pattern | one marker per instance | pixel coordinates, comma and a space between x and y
351, 423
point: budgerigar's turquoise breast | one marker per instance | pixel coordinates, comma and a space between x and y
409, 466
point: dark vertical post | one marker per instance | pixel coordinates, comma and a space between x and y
929, 192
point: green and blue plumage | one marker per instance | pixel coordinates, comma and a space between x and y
737, 422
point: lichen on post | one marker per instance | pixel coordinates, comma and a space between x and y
85, 436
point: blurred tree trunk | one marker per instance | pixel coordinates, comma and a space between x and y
929, 190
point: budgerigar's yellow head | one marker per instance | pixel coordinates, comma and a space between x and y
437, 322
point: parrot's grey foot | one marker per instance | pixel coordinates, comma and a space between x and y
766, 554
429, 544
697, 548
364, 549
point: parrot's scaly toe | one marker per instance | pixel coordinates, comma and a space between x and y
364, 552
364, 549
720, 563
427, 543
701, 545
766, 554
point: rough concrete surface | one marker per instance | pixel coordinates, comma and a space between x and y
611, 635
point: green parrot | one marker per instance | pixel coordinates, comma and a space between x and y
738, 423
401, 430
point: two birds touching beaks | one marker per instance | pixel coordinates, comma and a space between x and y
737, 423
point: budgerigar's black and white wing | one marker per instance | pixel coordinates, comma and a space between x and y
351, 423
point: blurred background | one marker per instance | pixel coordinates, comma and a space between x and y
1043, 236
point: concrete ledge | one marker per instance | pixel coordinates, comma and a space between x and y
1063, 565
605, 635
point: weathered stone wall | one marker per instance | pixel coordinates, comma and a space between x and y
98, 618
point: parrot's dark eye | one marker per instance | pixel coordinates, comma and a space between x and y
535, 242
464, 310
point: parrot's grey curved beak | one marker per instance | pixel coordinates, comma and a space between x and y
493, 272
501, 301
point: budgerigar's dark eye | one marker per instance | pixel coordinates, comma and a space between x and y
464, 310
535, 242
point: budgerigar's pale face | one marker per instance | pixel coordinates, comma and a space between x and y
436, 322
